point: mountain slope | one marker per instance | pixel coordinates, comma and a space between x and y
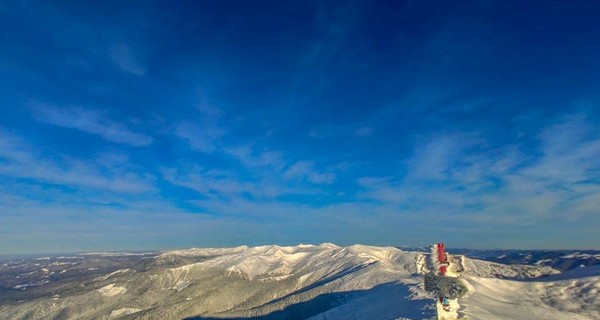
268, 282
576, 297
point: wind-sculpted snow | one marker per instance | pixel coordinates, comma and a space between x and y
549, 298
488, 269
267, 282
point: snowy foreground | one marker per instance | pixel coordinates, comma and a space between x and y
272, 282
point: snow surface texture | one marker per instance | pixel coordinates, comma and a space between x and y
573, 298
272, 282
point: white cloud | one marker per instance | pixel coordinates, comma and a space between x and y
461, 176
380, 189
298, 169
89, 121
226, 185
264, 173
265, 177
201, 138
321, 178
22, 161
250, 158
305, 170
436, 158
122, 55
204, 133
209, 183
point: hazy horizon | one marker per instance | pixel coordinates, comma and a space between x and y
9, 256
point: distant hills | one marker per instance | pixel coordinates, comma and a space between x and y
563, 260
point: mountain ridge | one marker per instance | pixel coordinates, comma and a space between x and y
264, 282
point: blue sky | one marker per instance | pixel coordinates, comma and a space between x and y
152, 125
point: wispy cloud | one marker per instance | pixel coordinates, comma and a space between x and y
382, 189
54, 221
438, 157
263, 175
200, 137
261, 184
305, 170
122, 55
90, 121
206, 134
216, 183
462, 176
203, 133
564, 180
250, 157
20, 160
256, 172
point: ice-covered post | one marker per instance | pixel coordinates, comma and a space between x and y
442, 258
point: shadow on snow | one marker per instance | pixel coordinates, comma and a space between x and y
385, 301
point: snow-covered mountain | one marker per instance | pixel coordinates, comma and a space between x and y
558, 259
563, 260
273, 282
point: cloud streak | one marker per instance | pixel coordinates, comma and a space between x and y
305, 170
20, 160
122, 55
470, 180
200, 137
89, 121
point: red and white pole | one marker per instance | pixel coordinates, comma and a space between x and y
442, 258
